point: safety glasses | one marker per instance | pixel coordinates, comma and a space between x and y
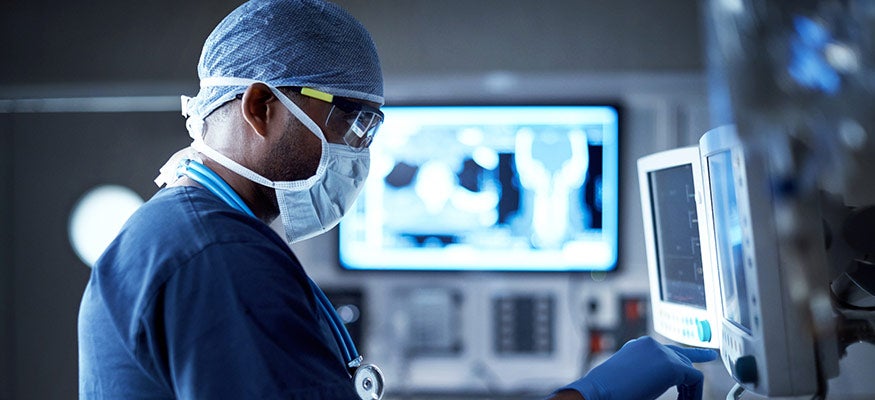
356, 122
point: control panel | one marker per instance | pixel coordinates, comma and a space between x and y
524, 324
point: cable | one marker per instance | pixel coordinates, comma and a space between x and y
573, 300
735, 393
822, 385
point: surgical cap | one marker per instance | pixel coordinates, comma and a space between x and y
307, 43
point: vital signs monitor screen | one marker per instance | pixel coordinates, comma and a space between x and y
511, 188
684, 290
678, 247
727, 227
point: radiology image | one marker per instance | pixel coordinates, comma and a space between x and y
488, 188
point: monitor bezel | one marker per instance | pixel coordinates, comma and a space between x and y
785, 361
680, 322
617, 108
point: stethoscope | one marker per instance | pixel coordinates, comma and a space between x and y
367, 378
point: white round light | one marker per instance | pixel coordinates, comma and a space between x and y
98, 217
348, 313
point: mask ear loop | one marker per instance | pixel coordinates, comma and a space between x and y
309, 123
195, 127
168, 173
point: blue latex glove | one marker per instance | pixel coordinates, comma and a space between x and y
643, 370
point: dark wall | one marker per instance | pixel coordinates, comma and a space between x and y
473, 36
69, 42
58, 157
6, 306
63, 43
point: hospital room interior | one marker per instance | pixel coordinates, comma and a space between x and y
552, 180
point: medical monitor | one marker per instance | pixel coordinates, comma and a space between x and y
488, 188
767, 342
684, 289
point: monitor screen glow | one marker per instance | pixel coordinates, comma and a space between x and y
510, 188
684, 290
676, 230
728, 234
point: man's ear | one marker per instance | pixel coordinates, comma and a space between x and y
256, 107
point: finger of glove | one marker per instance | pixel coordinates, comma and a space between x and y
695, 355
690, 392
690, 376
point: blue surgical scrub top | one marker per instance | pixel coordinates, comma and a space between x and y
196, 300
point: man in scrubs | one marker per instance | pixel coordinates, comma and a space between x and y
198, 298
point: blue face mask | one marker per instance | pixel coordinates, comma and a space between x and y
312, 206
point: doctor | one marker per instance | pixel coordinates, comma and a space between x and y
198, 298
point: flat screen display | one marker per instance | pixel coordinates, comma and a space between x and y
730, 250
676, 229
510, 188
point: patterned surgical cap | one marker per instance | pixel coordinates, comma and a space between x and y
308, 43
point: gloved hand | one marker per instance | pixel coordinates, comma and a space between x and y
643, 369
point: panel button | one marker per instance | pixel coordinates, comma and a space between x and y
703, 327
746, 369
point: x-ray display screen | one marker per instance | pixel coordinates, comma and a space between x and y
528, 188
727, 228
676, 228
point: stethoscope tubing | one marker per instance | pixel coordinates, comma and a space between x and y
212, 182
341, 334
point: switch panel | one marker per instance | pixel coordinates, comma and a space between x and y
434, 321
524, 324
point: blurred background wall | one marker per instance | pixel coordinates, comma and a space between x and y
118, 66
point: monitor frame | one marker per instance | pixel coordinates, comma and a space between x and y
773, 356
682, 323
610, 218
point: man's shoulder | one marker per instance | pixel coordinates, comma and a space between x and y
181, 224
194, 217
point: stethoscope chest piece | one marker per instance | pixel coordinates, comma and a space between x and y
368, 381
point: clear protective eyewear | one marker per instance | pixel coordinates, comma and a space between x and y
357, 122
